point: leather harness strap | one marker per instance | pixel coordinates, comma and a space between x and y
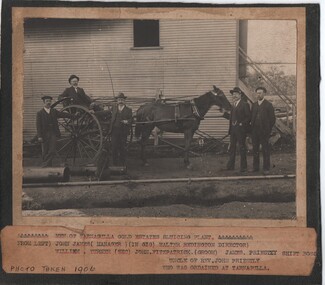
195, 110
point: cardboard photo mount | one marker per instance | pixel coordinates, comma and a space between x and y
307, 173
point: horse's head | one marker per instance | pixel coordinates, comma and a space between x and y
221, 99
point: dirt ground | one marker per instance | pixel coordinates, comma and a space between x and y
251, 199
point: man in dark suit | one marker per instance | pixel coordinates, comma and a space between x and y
119, 129
48, 129
263, 120
76, 94
238, 127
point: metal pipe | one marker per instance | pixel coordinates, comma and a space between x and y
166, 180
118, 170
91, 170
46, 174
83, 170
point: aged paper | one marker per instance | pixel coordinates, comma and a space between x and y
146, 244
165, 250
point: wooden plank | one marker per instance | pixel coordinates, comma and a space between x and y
282, 128
249, 94
274, 138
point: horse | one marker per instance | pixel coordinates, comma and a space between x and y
184, 117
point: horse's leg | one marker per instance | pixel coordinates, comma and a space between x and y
142, 153
144, 139
188, 135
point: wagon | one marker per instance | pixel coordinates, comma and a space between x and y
86, 136
83, 137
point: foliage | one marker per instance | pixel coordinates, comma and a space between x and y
286, 83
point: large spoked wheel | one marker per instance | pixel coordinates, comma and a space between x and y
81, 138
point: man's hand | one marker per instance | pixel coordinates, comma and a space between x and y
125, 122
40, 140
226, 115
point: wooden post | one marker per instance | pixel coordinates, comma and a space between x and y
294, 119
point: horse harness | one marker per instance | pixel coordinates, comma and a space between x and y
194, 108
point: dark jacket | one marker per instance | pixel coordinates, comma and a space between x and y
77, 98
240, 116
46, 123
266, 114
126, 114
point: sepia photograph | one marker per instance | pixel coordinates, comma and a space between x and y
178, 140
160, 118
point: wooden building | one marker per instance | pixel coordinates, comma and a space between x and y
183, 58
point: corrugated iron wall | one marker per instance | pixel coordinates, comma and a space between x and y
194, 55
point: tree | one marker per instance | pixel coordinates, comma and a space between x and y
286, 83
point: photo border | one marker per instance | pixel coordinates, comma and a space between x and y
18, 18
312, 140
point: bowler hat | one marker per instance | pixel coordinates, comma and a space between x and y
261, 88
121, 95
236, 89
47, 97
73, 76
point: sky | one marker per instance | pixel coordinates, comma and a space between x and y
273, 42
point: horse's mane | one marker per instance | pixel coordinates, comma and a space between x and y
203, 102
203, 97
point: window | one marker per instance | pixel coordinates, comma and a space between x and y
146, 33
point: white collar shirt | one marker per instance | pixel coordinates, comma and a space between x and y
237, 102
47, 110
260, 101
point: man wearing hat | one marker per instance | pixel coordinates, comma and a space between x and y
238, 127
263, 120
48, 129
77, 94
119, 129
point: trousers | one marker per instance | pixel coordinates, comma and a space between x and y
48, 149
258, 138
118, 139
237, 136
